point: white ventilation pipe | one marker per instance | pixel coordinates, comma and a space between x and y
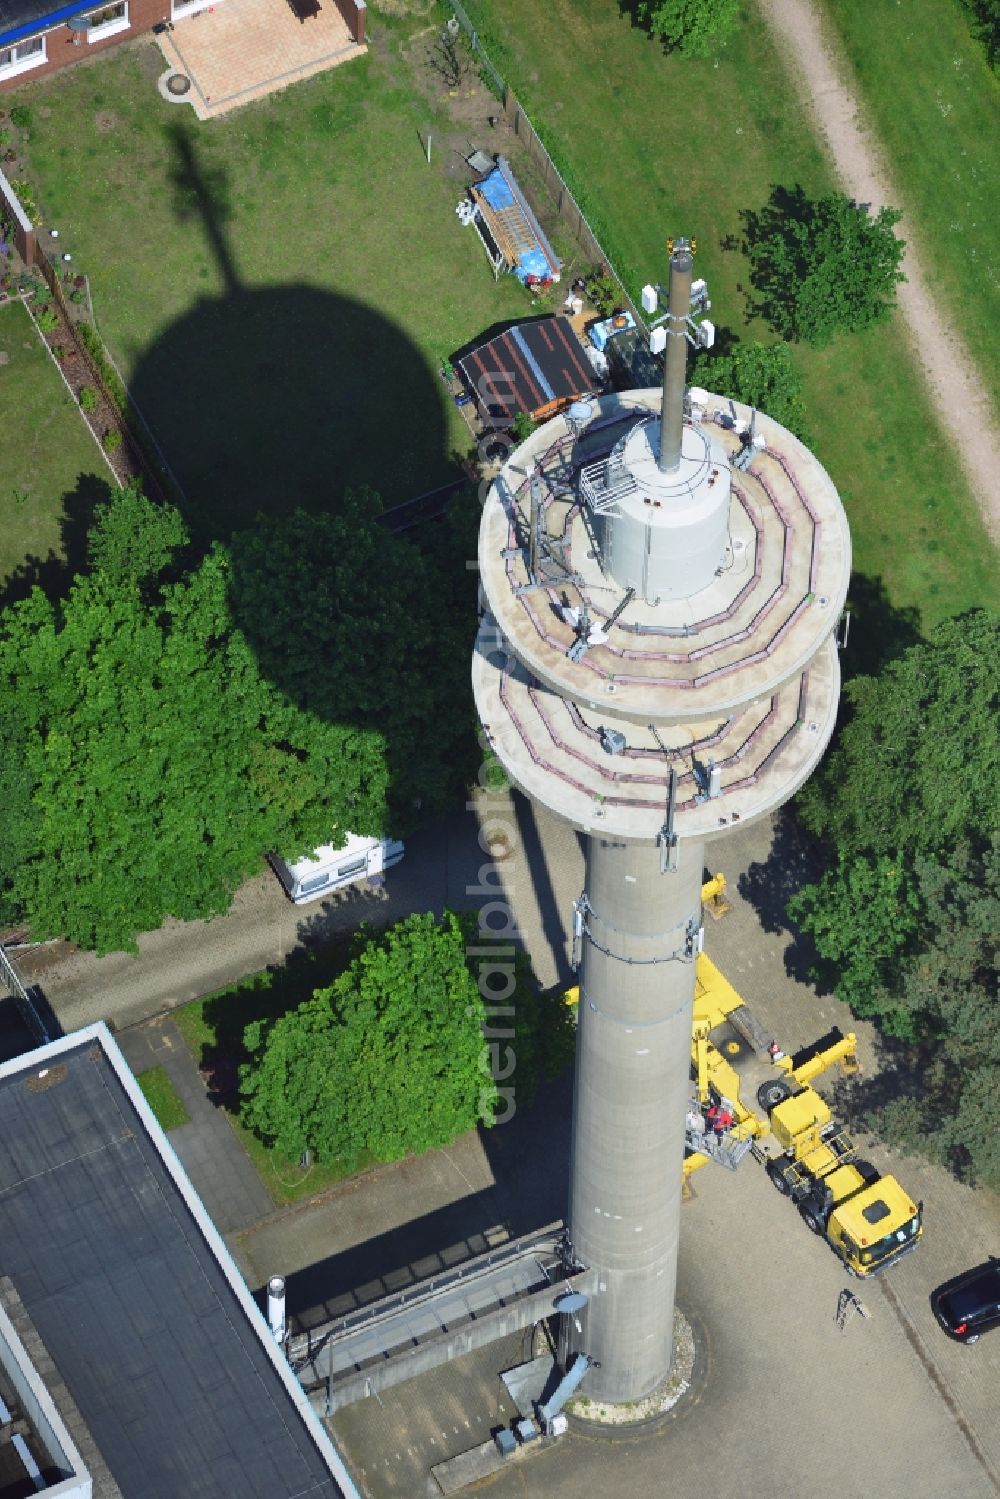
276, 1307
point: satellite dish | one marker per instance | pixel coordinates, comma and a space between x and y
575, 1301
581, 411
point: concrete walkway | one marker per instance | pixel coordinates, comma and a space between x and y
210, 1153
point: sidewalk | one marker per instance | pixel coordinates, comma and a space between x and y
219, 1167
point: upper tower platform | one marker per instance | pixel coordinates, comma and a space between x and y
640, 618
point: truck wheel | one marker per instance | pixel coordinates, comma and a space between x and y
774, 1172
811, 1221
769, 1095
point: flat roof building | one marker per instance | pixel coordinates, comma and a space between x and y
121, 1277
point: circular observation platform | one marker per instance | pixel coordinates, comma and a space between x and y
590, 690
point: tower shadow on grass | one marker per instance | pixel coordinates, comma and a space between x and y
269, 398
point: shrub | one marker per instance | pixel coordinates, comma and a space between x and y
21, 116
88, 398
112, 439
47, 319
603, 290
523, 425
91, 341
27, 199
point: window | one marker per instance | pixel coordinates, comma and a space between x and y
108, 21
316, 883
23, 55
351, 871
188, 7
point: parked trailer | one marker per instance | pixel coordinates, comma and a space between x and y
329, 868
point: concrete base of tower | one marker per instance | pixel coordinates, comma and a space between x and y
637, 979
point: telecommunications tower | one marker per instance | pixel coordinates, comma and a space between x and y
662, 576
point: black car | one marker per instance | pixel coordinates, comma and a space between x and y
969, 1305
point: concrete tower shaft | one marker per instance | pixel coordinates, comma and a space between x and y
671, 624
634, 1044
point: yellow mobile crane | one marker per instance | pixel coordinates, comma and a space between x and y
866, 1218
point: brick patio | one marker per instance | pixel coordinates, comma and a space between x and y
242, 50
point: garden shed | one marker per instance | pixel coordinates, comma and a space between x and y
536, 368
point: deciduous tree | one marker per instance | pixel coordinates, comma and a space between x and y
821, 266
389, 1060
689, 26
761, 375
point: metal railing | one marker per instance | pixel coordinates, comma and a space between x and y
306, 1348
14, 984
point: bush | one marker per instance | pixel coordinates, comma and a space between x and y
523, 425
88, 398
112, 440
603, 290
47, 319
21, 116
91, 341
27, 199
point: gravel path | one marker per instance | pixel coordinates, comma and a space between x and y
961, 399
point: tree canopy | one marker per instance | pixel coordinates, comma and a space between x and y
906, 920
385, 1062
917, 764
821, 266
689, 26
985, 18
400, 1053
761, 375
176, 718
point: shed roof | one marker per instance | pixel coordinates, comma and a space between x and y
534, 367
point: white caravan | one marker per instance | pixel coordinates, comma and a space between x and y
327, 869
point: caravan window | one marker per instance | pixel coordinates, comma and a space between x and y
316, 883
351, 871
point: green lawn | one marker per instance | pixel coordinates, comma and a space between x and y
213, 1028
280, 285
50, 470
659, 146
936, 106
161, 1095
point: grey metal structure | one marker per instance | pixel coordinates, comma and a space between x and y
682, 678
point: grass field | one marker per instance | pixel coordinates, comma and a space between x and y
280, 285
161, 1095
213, 1028
660, 146
936, 107
50, 469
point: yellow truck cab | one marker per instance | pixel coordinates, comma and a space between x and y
866, 1218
